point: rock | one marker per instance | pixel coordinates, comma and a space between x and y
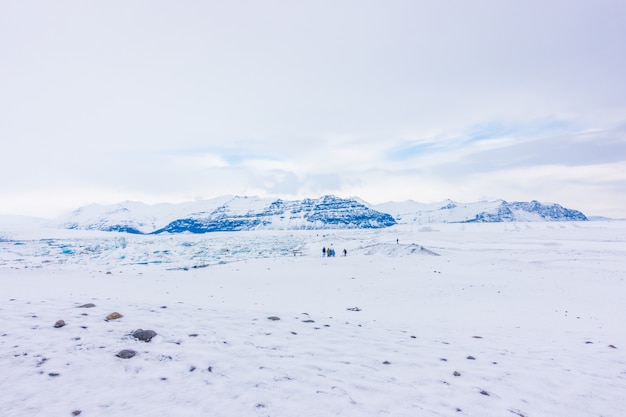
53, 374
76, 412
456, 373
471, 358
88, 305
273, 318
483, 392
353, 309
126, 353
59, 323
612, 346
144, 335
114, 316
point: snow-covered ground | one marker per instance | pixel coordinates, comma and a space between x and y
506, 319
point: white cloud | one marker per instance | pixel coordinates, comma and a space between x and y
422, 100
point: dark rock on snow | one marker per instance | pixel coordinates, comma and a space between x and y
144, 335
126, 353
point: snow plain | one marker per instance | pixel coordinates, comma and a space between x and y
506, 319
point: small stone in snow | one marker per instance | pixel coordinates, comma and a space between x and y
612, 347
126, 354
273, 318
76, 412
353, 309
456, 373
53, 374
88, 305
386, 363
59, 323
144, 335
471, 358
114, 316
483, 392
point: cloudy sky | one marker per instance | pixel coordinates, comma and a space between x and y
106, 101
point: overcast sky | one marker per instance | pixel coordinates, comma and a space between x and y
106, 101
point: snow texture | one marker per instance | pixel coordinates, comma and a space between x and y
503, 319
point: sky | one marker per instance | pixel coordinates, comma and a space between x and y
161, 101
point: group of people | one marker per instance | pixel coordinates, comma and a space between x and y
328, 252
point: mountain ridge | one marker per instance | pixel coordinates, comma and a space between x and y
449, 211
241, 213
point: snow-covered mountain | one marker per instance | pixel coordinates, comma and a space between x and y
329, 212
229, 214
449, 211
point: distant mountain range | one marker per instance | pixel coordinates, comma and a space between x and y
480, 212
230, 214
327, 212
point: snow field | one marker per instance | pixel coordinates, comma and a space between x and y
539, 308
